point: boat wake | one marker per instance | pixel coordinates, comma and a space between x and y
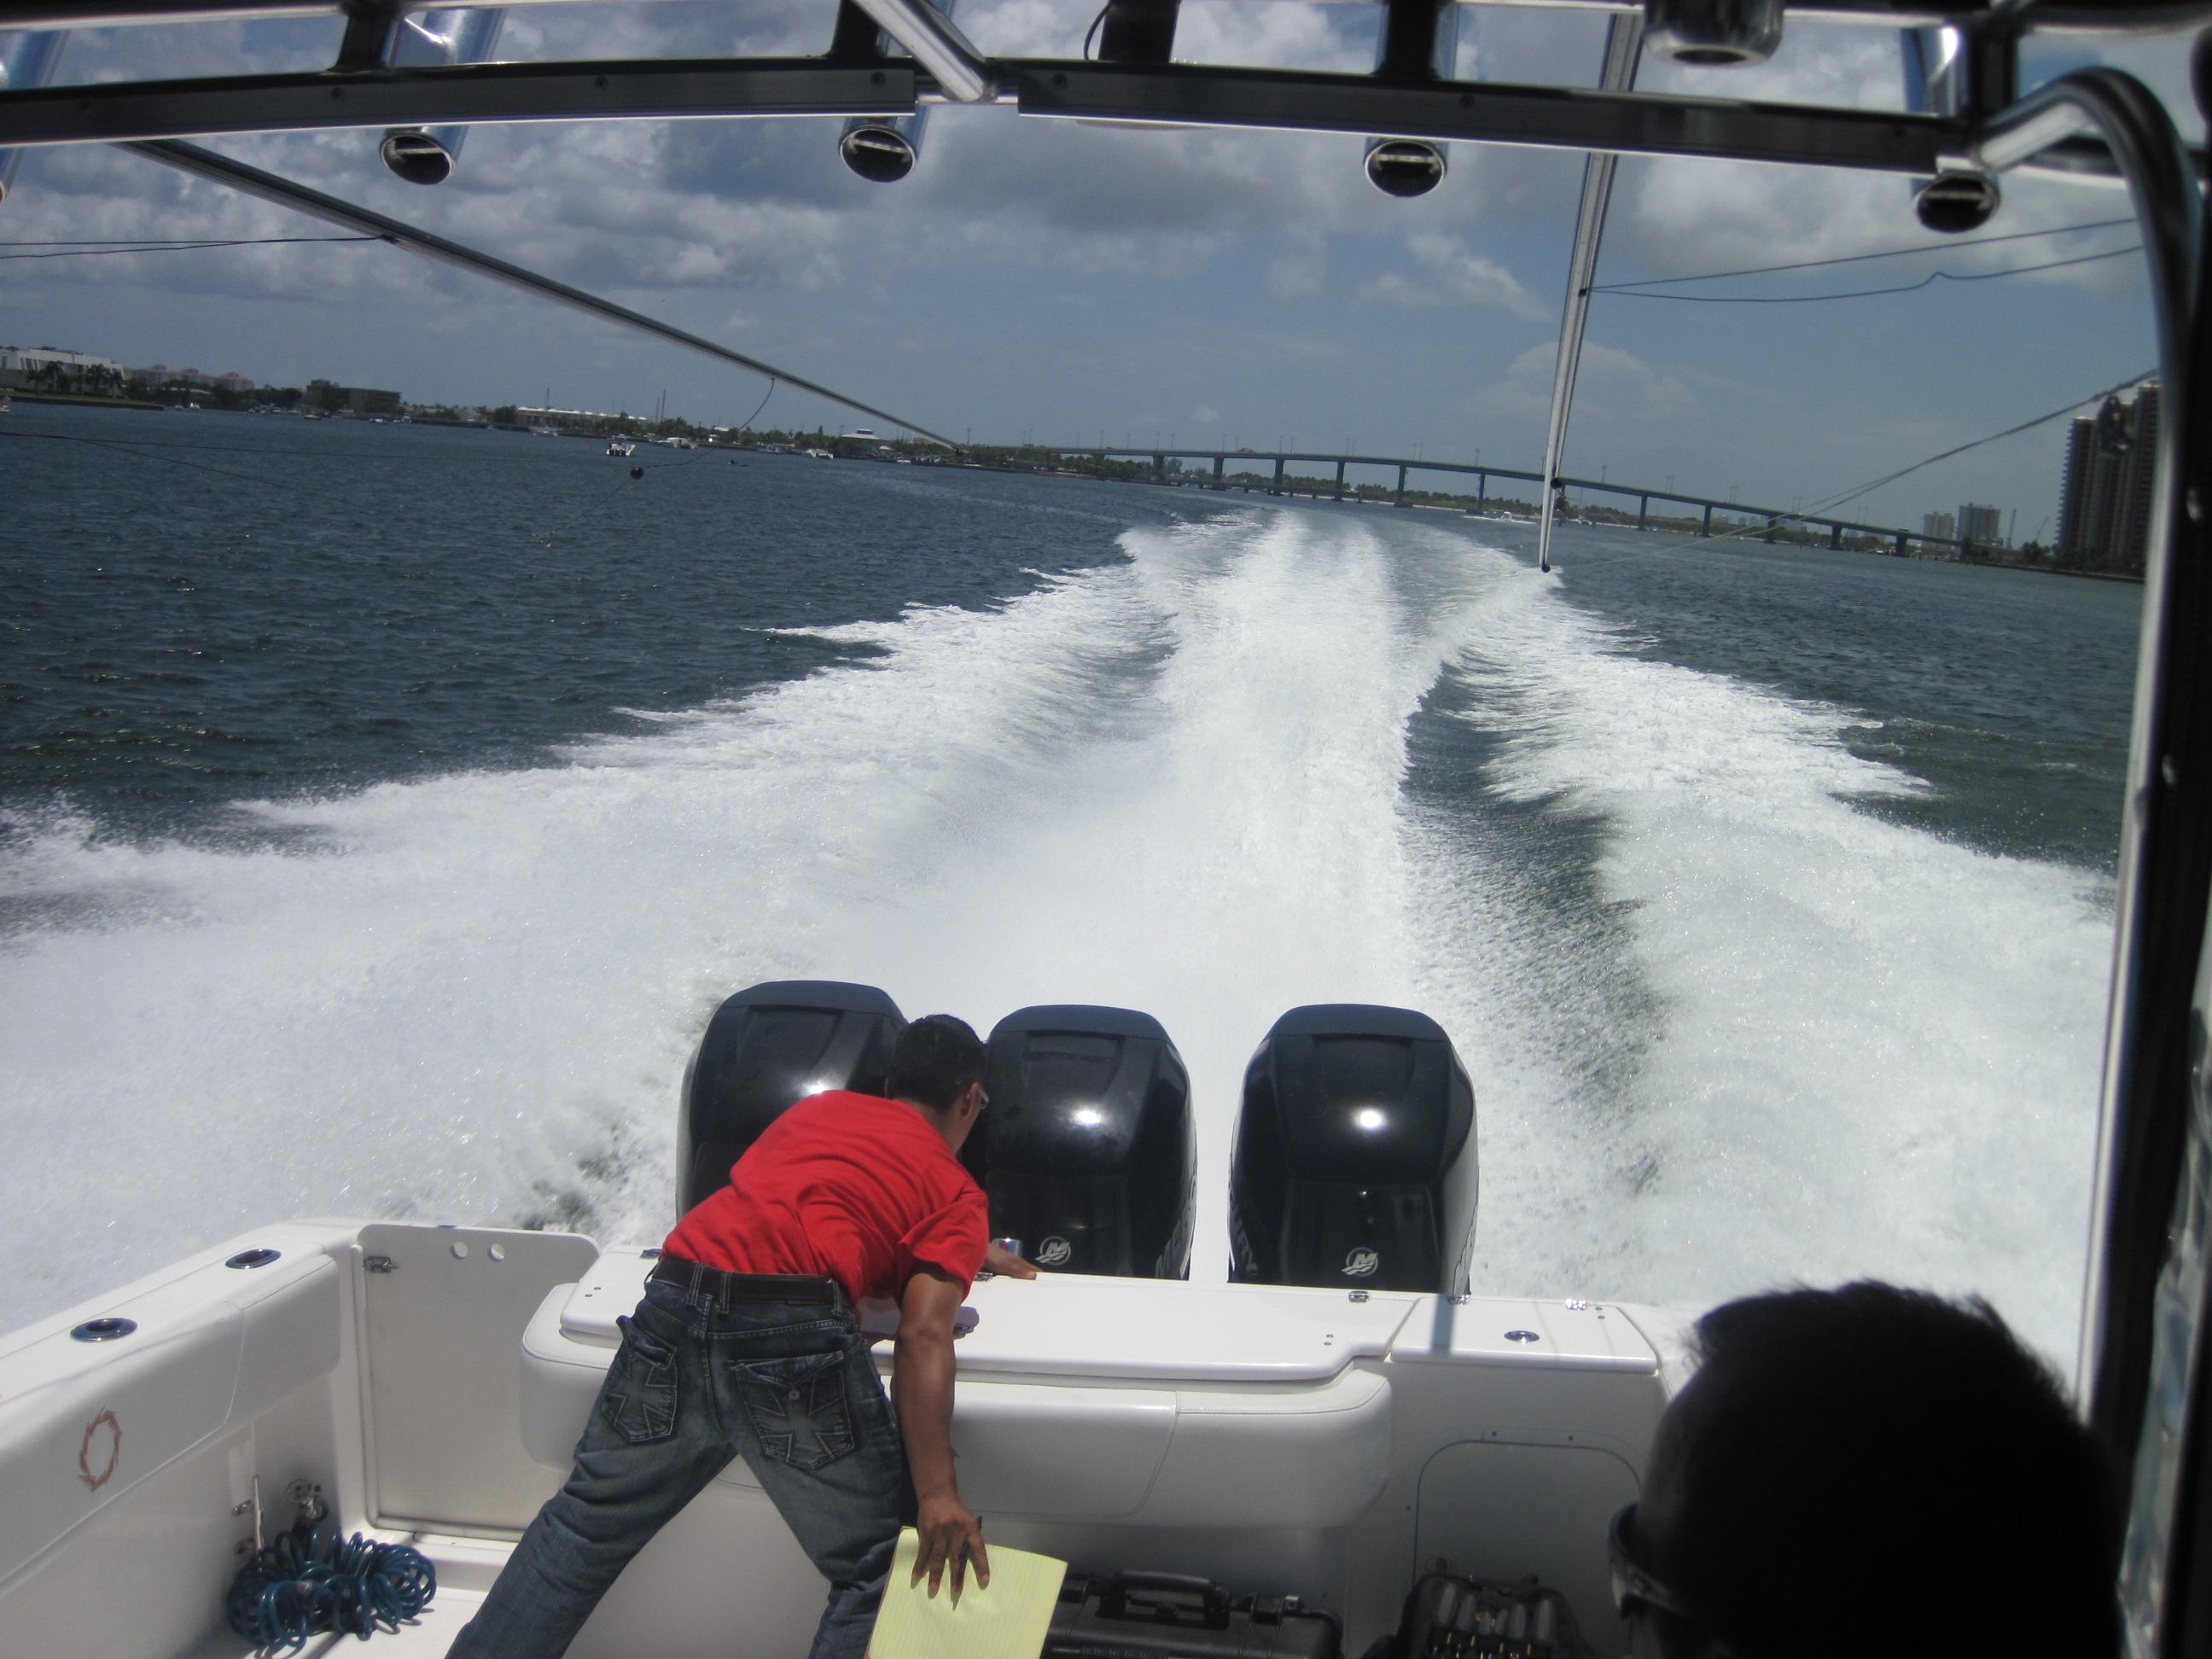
1727, 1027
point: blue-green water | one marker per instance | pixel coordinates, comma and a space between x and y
377, 826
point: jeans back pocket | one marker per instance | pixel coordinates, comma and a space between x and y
639, 1399
799, 1407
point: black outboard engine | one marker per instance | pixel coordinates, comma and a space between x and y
1355, 1159
1088, 1152
767, 1049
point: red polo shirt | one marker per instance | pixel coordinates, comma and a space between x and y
851, 1186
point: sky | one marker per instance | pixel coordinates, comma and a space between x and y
1036, 279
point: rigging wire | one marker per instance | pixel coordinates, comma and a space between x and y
1930, 280
1820, 508
93, 250
1861, 258
197, 466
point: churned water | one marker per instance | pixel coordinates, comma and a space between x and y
382, 825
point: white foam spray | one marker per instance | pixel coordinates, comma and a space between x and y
1172, 784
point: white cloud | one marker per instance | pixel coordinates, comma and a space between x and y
1449, 273
1206, 414
1302, 267
1612, 386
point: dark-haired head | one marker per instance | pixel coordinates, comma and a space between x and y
1872, 1468
936, 1064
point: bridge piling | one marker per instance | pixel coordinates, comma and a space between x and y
1277, 488
1400, 500
1220, 464
1707, 530
1340, 480
1835, 538
1642, 511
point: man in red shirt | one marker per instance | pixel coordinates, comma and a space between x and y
746, 1345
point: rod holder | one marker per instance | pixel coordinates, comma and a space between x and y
1418, 43
1953, 202
26, 60
428, 155
1714, 33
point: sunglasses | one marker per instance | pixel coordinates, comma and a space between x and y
1635, 1586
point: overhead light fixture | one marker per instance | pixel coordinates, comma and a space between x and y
1715, 33
1419, 42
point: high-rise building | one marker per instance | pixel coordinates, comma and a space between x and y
1943, 526
2104, 514
1981, 525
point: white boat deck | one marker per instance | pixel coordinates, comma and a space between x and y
434, 1381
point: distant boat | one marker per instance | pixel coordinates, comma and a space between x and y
6, 404
818, 455
618, 447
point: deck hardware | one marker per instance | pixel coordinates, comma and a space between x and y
261, 1256
104, 1330
1522, 1336
496, 1252
250, 1505
460, 1251
379, 1264
1359, 1296
1461, 1300
1577, 1304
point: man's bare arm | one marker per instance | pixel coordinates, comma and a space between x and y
921, 1387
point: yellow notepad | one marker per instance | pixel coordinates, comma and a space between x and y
1007, 1621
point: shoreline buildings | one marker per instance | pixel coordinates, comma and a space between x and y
1983, 526
2104, 514
30, 369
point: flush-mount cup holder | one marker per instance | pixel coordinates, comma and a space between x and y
261, 1256
108, 1329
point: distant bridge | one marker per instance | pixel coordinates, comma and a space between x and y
1286, 482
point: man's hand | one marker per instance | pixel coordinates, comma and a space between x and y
951, 1537
998, 1259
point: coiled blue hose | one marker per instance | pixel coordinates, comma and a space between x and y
306, 1582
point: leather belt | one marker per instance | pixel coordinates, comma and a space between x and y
726, 1287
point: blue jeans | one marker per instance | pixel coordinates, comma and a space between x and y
789, 1388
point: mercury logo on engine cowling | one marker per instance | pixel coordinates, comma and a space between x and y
1053, 1252
1360, 1263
